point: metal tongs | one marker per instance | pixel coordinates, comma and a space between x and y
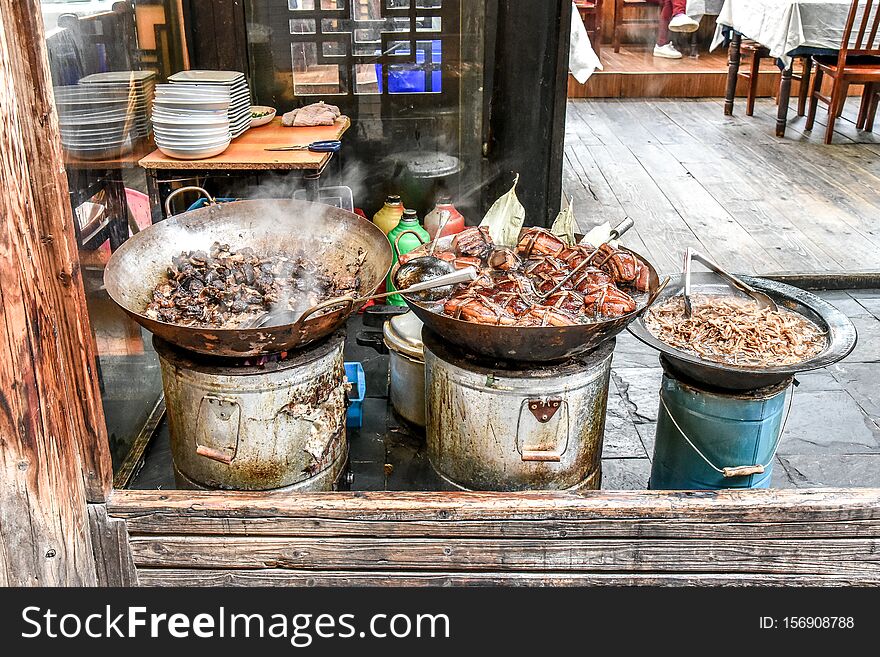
760, 298
616, 232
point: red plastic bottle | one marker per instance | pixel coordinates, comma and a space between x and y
436, 217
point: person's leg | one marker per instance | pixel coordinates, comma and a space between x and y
665, 47
665, 17
679, 20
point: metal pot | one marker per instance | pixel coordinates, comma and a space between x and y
406, 367
494, 428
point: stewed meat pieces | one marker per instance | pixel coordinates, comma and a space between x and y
223, 288
511, 284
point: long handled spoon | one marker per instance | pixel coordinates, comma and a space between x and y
279, 317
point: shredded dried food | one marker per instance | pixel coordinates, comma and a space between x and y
736, 331
225, 288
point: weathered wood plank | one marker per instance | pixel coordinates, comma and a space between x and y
773, 505
279, 577
637, 528
40, 218
50, 416
110, 542
851, 557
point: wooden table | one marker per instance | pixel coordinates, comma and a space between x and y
788, 28
247, 155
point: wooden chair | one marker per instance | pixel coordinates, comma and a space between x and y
620, 20
756, 53
858, 62
868, 109
591, 14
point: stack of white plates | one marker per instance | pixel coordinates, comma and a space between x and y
96, 122
191, 121
234, 82
140, 87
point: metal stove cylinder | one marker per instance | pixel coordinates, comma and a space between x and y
236, 427
508, 429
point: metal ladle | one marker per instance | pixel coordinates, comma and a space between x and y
425, 267
453, 278
763, 300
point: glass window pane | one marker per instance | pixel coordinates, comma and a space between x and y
105, 59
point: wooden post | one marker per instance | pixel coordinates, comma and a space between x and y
54, 453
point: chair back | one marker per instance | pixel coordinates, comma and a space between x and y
862, 34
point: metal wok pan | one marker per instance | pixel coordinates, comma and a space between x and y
327, 235
526, 344
841, 334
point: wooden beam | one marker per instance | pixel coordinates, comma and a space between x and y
43, 263
50, 417
311, 578
736, 537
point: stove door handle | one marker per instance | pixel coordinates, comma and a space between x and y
543, 410
215, 454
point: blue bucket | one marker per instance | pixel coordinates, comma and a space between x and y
711, 440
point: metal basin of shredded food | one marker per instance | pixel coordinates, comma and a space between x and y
839, 335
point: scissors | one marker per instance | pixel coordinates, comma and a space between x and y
329, 146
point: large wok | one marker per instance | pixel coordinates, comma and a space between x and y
840, 332
526, 344
328, 235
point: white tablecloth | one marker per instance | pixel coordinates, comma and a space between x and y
696, 9
784, 25
582, 59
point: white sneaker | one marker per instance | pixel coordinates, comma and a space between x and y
668, 51
683, 23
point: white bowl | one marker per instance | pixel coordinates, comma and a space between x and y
256, 122
193, 143
189, 154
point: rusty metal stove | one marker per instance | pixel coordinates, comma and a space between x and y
507, 426
272, 422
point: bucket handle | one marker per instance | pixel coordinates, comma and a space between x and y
739, 470
191, 188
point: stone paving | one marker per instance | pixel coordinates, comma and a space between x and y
832, 437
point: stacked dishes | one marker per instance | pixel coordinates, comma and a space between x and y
140, 87
234, 83
191, 120
100, 118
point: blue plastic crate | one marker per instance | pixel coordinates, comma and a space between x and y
354, 372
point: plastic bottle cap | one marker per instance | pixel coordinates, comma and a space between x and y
392, 199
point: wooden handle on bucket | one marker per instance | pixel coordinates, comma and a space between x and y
742, 471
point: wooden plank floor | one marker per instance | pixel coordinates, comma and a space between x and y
689, 176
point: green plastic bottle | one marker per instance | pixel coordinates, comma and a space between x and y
408, 241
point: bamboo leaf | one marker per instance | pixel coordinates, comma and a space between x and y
505, 218
564, 225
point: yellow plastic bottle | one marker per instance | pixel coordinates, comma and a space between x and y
389, 214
